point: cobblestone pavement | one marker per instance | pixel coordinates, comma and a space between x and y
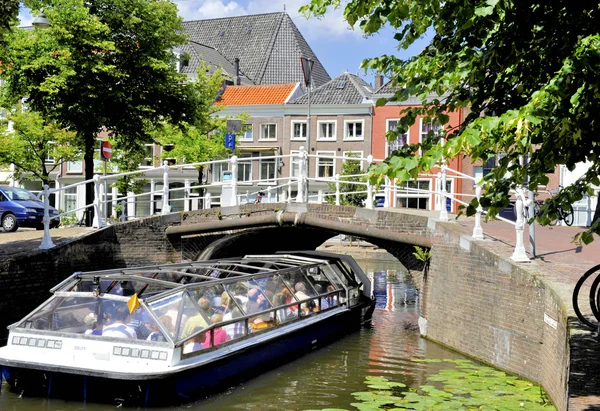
562, 260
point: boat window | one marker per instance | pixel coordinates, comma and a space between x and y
195, 315
169, 306
333, 276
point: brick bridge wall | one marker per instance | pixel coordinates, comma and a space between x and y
472, 300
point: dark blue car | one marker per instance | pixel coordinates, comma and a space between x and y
20, 208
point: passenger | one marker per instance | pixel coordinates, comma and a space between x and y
195, 343
240, 292
300, 289
234, 330
225, 304
204, 304
283, 314
253, 306
91, 320
140, 327
289, 299
116, 324
197, 321
219, 335
330, 300
156, 335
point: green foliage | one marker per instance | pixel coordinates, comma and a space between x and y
467, 386
102, 64
349, 168
422, 254
32, 142
9, 9
68, 219
528, 73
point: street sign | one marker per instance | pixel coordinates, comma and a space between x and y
233, 126
307, 65
230, 141
106, 150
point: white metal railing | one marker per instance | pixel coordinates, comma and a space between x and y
275, 185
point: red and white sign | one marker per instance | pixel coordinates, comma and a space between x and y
106, 150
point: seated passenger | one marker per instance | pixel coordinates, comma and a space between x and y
115, 325
225, 304
197, 321
195, 343
252, 306
140, 327
283, 314
219, 335
330, 300
300, 289
91, 320
240, 292
234, 330
156, 335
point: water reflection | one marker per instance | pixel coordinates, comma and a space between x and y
327, 377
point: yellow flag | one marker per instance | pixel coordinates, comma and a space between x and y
133, 303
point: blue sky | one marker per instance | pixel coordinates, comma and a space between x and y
338, 47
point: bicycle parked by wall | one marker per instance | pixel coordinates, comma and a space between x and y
565, 214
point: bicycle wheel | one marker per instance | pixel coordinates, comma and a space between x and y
584, 305
568, 216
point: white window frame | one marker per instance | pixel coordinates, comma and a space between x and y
217, 172
360, 156
334, 131
421, 134
301, 122
273, 162
245, 164
449, 192
262, 126
325, 153
400, 195
247, 128
294, 160
142, 165
78, 170
387, 128
346, 137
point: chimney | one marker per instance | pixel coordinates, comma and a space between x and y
236, 70
378, 81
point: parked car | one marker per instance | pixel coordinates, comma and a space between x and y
20, 208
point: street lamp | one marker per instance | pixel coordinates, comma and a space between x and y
41, 22
307, 65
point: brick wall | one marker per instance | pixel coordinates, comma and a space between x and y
502, 313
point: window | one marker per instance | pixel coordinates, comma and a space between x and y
298, 130
70, 198
426, 127
357, 154
217, 172
148, 160
267, 168
244, 172
294, 164
407, 195
326, 130
268, 131
401, 140
74, 166
354, 129
48, 159
246, 134
325, 166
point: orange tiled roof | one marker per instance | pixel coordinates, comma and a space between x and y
256, 95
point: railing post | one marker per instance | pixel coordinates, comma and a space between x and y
519, 254
234, 181
207, 200
386, 192
166, 208
477, 229
369, 204
186, 195
97, 222
247, 197
301, 174
338, 195
269, 190
289, 193
123, 216
443, 208
438, 191
46, 240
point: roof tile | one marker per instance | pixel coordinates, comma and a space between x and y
256, 95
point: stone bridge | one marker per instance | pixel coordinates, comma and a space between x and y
473, 299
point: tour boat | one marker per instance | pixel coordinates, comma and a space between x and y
171, 333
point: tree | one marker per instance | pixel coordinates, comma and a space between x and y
528, 71
349, 168
9, 9
104, 63
32, 142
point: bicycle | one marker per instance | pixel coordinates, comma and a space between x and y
587, 281
567, 215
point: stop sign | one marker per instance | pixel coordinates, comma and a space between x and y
106, 150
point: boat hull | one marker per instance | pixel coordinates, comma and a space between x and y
193, 383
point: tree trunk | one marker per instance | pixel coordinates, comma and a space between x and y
597, 212
88, 160
201, 190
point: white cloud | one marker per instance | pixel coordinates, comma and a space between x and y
332, 25
209, 9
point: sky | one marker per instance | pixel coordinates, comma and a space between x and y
338, 47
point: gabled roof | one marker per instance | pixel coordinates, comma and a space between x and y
256, 94
200, 52
269, 46
345, 89
387, 89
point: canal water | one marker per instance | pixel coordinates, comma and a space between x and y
325, 378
